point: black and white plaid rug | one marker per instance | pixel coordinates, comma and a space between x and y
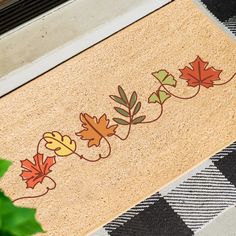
222, 10
185, 206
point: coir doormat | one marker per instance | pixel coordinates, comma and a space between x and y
111, 126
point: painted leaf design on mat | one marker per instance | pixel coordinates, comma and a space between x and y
131, 109
159, 97
138, 120
122, 111
165, 78
34, 173
122, 100
61, 145
95, 129
133, 99
122, 94
199, 74
137, 108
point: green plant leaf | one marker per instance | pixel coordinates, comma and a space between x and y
121, 121
137, 108
118, 100
122, 111
122, 94
153, 98
138, 120
163, 95
165, 78
133, 99
4, 165
15, 220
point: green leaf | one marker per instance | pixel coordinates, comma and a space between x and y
4, 165
138, 120
118, 100
163, 95
121, 121
5, 233
153, 98
122, 111
133, 99
122, 94
15, 220
165, 78
137, 108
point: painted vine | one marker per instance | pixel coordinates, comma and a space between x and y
94, 129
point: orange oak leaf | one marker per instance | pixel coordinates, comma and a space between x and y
34, 173
199, 74
95, 129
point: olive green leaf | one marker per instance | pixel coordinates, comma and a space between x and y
122, 94
4, 165
132, 105
118, 100
121, 121
138, 120
122, 111
133, 100
17, 221
165, 78
137, 108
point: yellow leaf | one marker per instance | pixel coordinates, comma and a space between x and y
61, 145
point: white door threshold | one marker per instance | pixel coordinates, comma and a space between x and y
48, 40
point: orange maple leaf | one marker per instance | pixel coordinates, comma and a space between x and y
34, 173
199, 74
95, 129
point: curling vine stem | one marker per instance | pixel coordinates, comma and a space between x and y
227, 81
43, 194
100, 156
184, 98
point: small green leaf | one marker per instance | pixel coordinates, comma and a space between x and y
122, 94
153, 98
165, 78
122, 111
163, 95
138, 120
4, 165
133, 99
121, 121
137, 108
118, 100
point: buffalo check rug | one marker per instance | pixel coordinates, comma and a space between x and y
188, 206
134, 136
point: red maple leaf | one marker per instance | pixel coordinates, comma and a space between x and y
34, 173
199, 74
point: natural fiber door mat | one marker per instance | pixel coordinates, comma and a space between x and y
113, 125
